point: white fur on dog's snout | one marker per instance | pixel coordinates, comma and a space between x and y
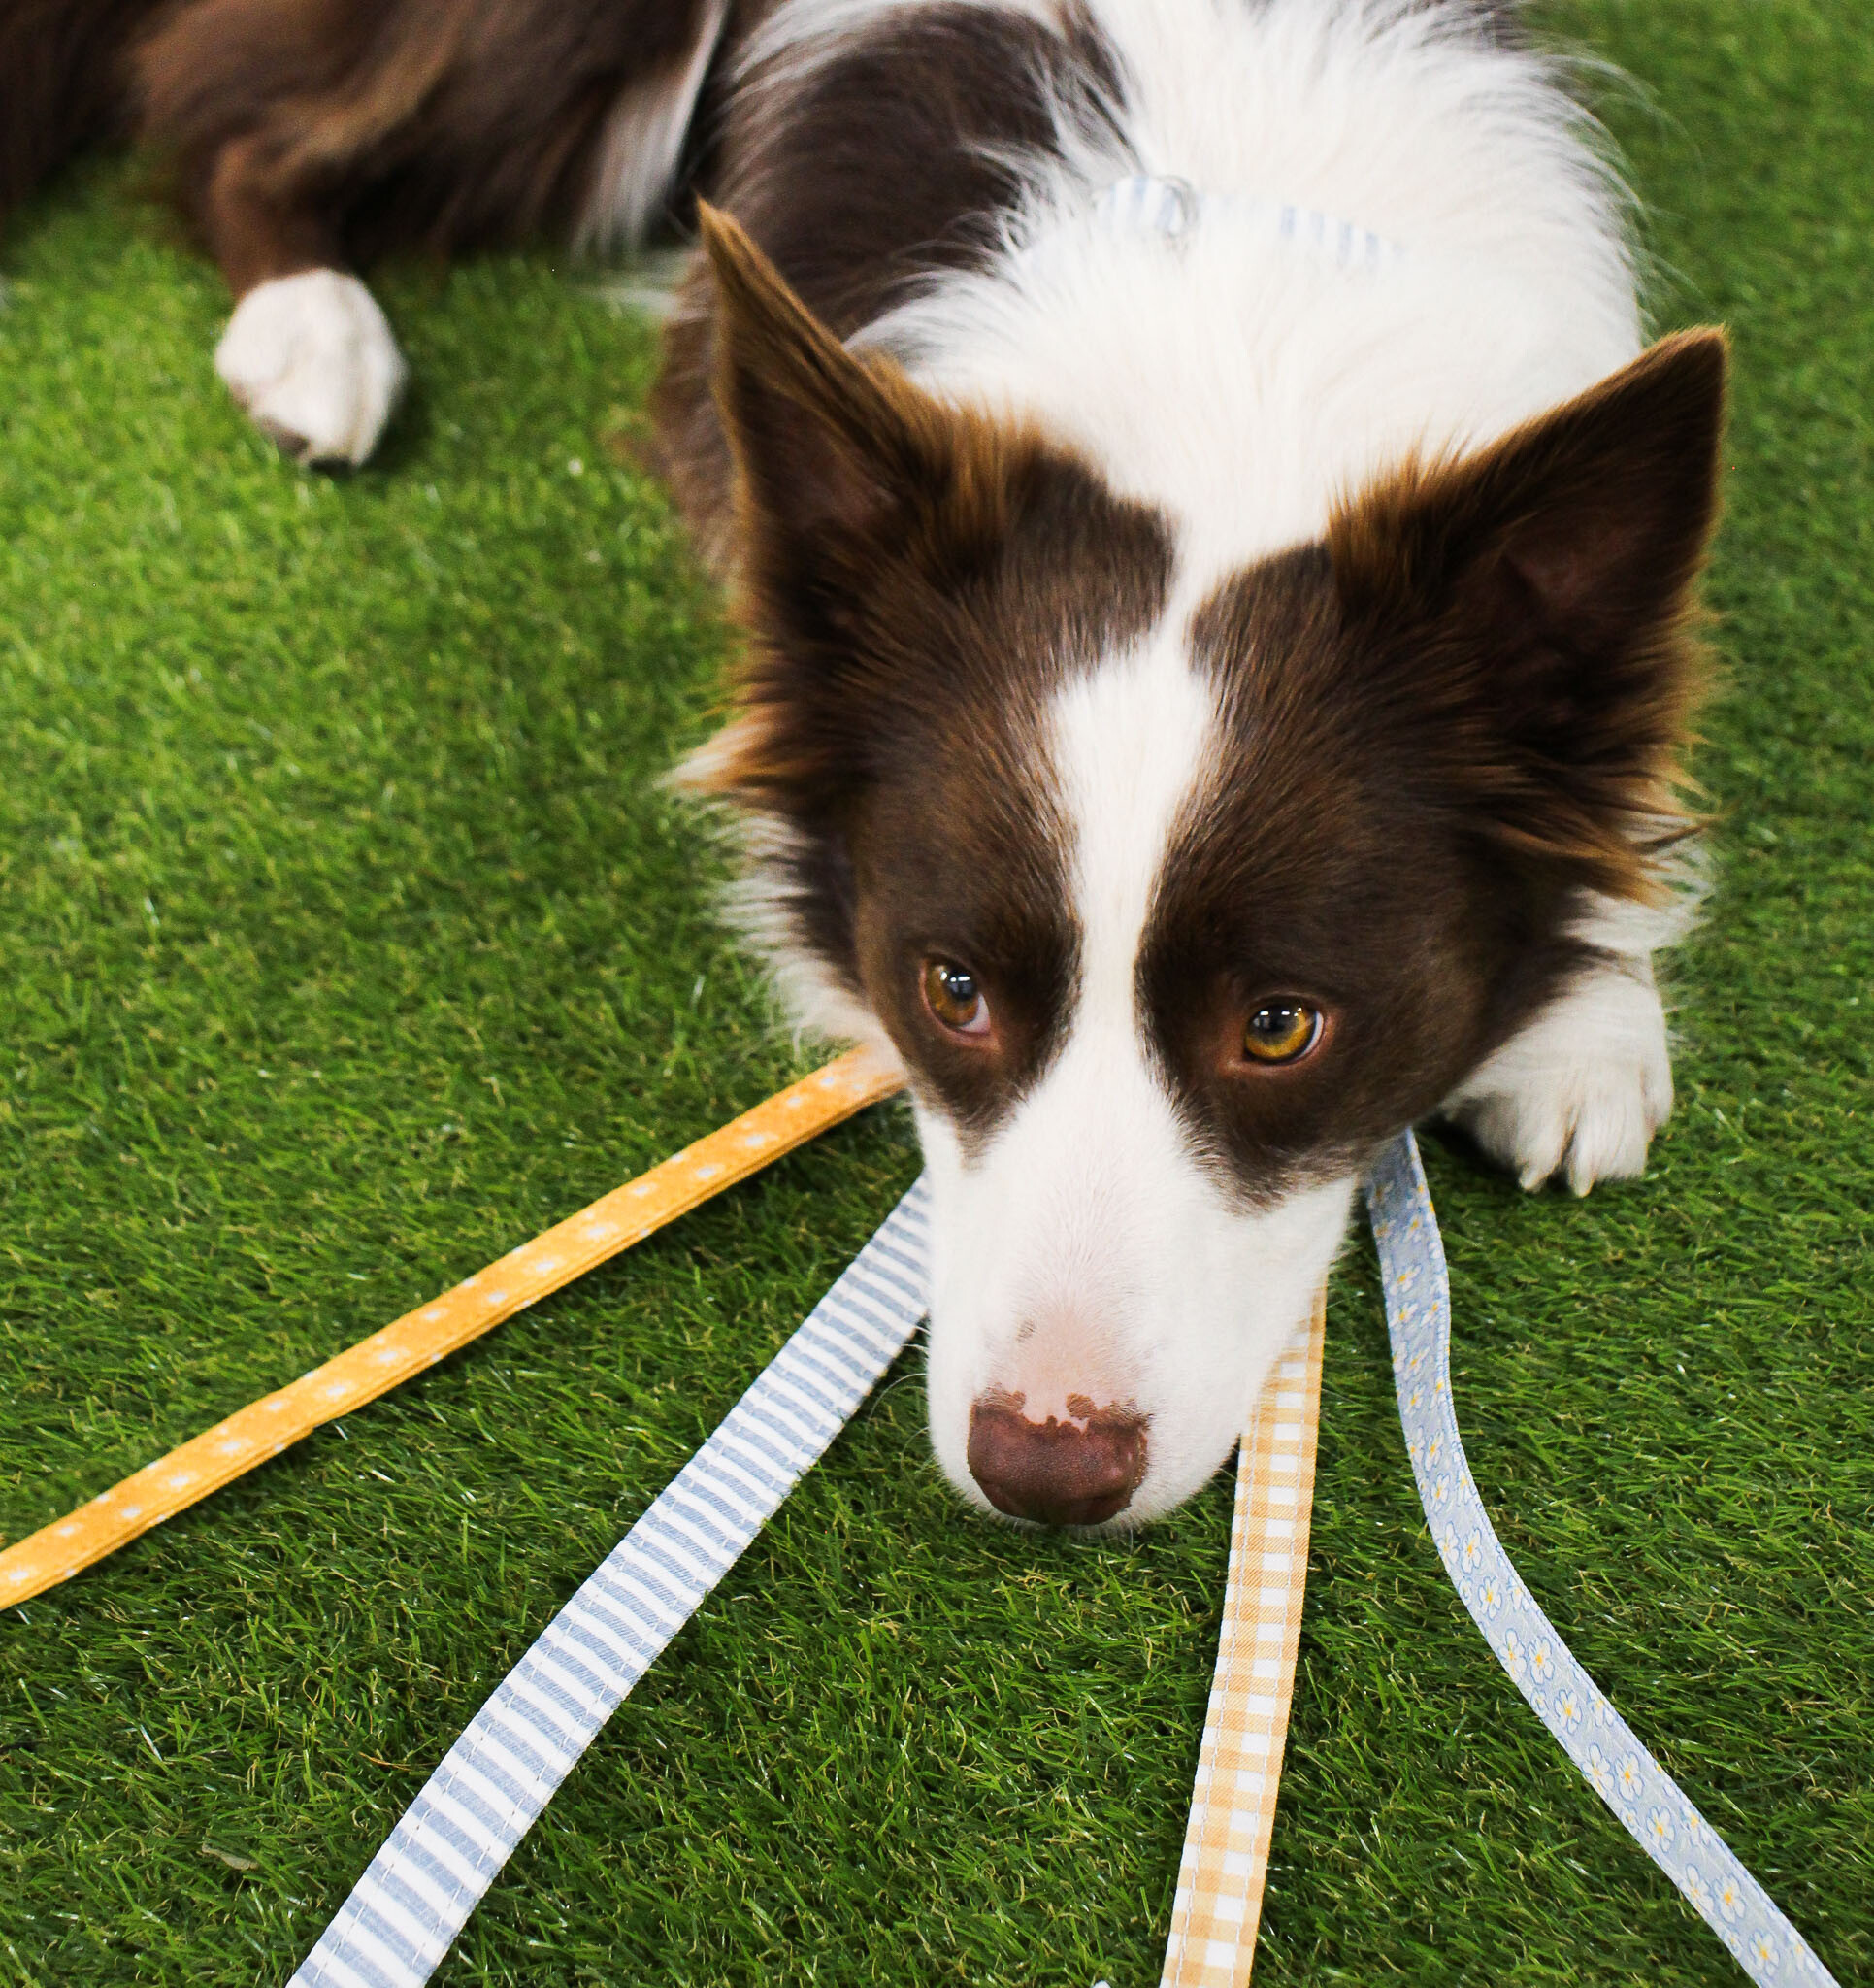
312, 360
1090, 1252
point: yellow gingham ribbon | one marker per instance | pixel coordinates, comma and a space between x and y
1217, 1905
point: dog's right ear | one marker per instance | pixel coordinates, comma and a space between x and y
827, 450
860, 501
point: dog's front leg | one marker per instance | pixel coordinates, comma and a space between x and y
308, 353
1579, 1091
1582, 1089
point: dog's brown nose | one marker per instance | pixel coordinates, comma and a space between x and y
1058, 1474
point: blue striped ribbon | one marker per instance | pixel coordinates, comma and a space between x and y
1590, 1731
419, 1890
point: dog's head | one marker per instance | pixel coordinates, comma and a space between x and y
1174, 901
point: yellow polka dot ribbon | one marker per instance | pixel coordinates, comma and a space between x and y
422, 1338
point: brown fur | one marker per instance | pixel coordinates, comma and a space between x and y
1329, 861
302, 133
887, 165
1541, 596
916, 579
1447, 726
851, 483
362, 127
63, 83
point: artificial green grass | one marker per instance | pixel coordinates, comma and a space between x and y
346, 941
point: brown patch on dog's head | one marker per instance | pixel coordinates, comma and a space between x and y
1442, 732
1536, 601
916, 579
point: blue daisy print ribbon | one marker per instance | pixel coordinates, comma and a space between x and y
1590, 1732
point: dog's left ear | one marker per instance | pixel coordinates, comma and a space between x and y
1540, 595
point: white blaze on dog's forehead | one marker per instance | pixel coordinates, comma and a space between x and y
1129, 744
1093, 1159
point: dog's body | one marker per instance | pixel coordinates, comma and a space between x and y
1217, 564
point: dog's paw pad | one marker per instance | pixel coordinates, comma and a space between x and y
313, 361
1580, 1093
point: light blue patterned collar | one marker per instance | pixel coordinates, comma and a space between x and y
1160, 204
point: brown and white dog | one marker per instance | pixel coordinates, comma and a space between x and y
1218, 564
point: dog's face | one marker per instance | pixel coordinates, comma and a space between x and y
1175, 898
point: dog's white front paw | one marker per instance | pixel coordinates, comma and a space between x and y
1582, 1090
313, 359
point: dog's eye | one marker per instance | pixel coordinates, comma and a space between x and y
1281, 1032
951, 994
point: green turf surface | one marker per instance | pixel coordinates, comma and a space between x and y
345, 941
